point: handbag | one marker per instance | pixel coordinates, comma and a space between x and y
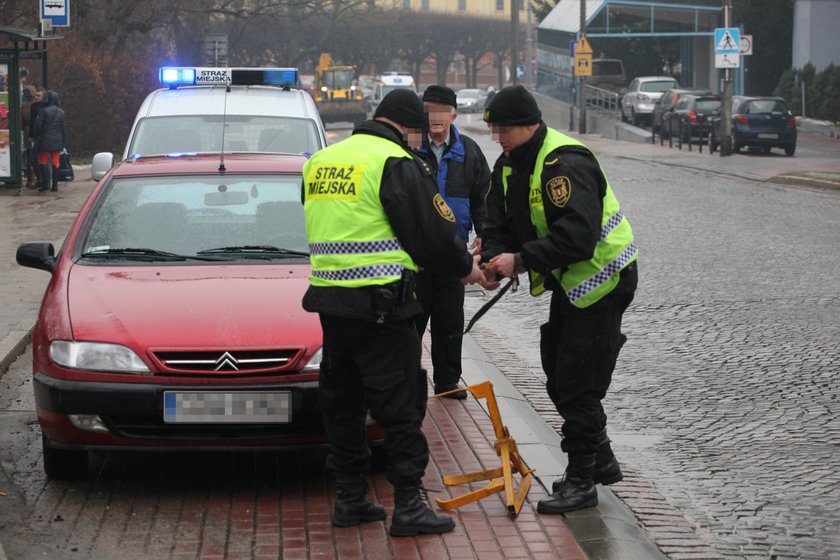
65, 170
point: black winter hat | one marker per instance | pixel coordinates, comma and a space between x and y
404, 107
513, 105
440, 94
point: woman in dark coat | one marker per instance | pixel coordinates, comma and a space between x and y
51, 132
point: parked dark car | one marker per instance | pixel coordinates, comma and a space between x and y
690, 117
758, 122
667, 102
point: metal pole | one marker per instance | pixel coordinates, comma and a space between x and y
529, 69
582, 87
514, 39
726, 113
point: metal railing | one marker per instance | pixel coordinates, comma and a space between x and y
602, 98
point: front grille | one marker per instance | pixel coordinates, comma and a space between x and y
227, 362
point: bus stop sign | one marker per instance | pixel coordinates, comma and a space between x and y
56, 11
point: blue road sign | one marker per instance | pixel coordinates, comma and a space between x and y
727, 40
57, 11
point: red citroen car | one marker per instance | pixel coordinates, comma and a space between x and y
173, 318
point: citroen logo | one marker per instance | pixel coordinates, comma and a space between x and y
227, 362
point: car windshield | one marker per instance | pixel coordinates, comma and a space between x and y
662, 85
189, 214
242, 133
765, 107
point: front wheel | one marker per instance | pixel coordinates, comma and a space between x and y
64, 464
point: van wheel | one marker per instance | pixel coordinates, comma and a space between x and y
790, 150
64, 464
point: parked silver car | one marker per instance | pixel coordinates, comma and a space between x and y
640, 97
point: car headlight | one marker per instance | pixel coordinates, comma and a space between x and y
314, 363
96, 356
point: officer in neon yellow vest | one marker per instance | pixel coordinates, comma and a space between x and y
373, 216
551, 212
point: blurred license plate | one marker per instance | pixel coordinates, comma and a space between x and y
768, 135
226, 408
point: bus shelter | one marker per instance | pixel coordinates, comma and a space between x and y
693, 25
17, 45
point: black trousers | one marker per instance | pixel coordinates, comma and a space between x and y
375, 367
579, 349
442, 299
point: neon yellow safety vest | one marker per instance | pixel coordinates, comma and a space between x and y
584, 282
351, 242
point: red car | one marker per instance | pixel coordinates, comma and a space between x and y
173, 318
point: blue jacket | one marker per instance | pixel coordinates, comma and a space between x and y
463, 178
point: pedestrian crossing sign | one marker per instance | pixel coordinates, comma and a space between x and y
727, 40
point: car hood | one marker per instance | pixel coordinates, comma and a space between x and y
192, 306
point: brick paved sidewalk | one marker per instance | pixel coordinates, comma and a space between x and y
271, 505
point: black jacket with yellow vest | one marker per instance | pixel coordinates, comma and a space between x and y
575, 226
409, 196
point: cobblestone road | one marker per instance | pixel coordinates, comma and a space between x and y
726, 395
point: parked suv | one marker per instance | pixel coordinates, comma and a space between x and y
642, 94
690, 118
758, 122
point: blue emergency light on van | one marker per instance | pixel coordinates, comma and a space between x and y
174, 77
188, 76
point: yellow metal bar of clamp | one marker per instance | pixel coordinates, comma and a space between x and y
501, 479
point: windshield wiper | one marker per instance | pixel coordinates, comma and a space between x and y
143, 254
256, 250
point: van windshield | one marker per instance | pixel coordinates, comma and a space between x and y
242, 133
606, 67
388, 89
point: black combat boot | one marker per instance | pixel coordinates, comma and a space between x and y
54, 178
576, 490
607, 469
412, 517
46, 177
351, 505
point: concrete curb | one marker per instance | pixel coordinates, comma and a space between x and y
600, 531
11, 347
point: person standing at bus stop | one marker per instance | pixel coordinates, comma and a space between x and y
463, 177
50, 132
373, 216
551, 212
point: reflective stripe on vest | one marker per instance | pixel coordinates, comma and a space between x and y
351, 242
584, 282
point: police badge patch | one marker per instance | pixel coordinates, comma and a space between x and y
443, 209
559, 191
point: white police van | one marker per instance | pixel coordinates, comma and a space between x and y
223, 109
386, 83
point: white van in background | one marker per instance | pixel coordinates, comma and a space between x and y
388, 82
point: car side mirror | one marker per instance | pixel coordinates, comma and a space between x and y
37, 254
101, 164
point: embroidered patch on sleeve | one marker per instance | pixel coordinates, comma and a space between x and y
559, 191
443, 209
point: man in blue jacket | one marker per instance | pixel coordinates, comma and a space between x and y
463, 178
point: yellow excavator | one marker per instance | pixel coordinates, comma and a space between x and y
337, 95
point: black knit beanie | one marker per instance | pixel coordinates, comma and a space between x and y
404, 107
513, 105
440, 94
